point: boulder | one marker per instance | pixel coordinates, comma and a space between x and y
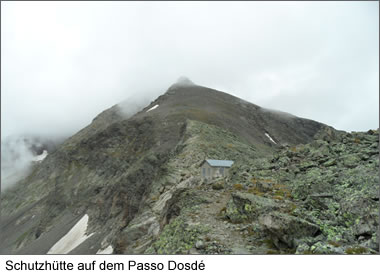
339, 148
371, 132
364, 156
283, 161
200, 244
264, 186
218, 186
302, 249
372, 243
323, 248
244, 207
285, 228
363, 229
350, 161
318, 143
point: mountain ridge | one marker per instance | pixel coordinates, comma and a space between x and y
132, 175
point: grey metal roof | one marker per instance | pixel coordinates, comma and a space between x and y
219, 163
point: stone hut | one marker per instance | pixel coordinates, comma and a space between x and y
211, 168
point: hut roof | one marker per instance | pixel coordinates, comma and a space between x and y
219, 163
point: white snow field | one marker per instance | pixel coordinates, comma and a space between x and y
72, 239
154, 107
270, 138
108, 250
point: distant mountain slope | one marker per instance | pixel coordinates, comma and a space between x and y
123, 172
245, 119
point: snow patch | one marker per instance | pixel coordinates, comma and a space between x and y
270, 138
72, 239
154, 107
41, 157
106, 251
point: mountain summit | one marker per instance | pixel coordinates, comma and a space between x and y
184, 81
128, 185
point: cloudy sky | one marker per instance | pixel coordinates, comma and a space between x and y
62, 63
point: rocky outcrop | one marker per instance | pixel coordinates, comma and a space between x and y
248, 207
327, 194
286, 228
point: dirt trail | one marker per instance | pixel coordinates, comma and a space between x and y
228, 235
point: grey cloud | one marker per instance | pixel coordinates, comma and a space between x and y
16, 160
63, 63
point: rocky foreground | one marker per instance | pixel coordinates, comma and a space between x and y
317, 198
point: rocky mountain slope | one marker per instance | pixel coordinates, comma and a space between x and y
132, 184
315, 198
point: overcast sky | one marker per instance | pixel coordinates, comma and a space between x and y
63, 63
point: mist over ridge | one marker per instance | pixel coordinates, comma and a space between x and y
58, 73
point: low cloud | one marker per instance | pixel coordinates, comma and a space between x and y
64, 63
16, 160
